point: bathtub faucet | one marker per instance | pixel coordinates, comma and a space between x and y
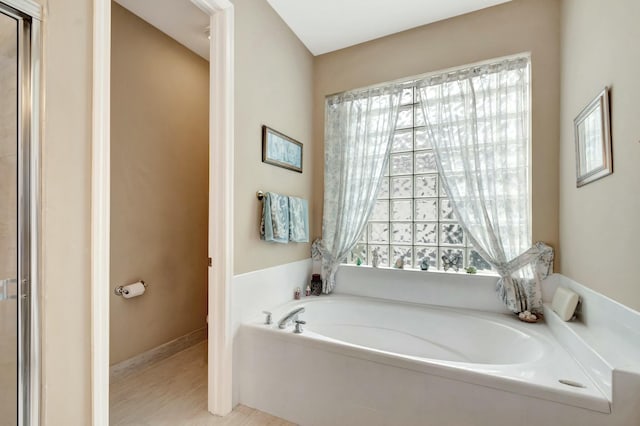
290, 317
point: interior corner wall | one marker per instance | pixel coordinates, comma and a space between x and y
159, 185
273, 86
600, 222
510, 28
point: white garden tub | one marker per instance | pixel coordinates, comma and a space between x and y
371, 361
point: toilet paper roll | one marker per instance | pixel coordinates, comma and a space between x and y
133, 290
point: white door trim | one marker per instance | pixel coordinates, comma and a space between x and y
100, 212
221, 145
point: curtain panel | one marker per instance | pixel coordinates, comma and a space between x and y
478, 120
359, 127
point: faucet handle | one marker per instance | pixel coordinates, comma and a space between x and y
298, 328
267, 320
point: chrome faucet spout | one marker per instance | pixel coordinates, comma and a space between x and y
290, 317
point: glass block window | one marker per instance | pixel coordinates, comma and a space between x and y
412, 215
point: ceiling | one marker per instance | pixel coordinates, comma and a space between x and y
179, 19
322, 25
328, 25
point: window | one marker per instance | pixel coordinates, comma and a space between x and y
412, 215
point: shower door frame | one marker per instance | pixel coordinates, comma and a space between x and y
29, 15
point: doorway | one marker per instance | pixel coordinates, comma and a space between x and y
159, 203
220, 179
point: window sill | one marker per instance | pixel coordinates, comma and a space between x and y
419, 271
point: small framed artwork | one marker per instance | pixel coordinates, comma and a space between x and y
281, 150
593, 140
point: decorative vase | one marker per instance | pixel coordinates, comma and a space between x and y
316, 285
375, 257
424, 265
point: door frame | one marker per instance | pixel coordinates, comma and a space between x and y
221, 183
220, 247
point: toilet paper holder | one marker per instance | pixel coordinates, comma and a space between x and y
121, 291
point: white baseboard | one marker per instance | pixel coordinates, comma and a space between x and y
144, 360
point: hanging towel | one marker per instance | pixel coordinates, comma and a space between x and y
298, 220
274, 226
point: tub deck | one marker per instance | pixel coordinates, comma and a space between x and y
492, 350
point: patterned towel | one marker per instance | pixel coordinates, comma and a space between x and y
274, 226
298, 220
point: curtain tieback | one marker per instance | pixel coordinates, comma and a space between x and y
320, 253
513, 292
540, 254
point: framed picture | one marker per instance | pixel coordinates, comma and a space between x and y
593, 140
281, 150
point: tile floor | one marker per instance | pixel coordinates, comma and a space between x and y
174, 392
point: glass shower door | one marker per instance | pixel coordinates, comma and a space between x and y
9, 160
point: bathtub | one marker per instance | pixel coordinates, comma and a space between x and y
368, 361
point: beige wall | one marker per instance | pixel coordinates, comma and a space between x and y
159, 185
600, 222
66, 214
274, 86
518, 26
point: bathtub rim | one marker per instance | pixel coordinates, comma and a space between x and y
592, 398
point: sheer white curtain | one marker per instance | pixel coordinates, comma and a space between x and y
478, 122
359, 127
